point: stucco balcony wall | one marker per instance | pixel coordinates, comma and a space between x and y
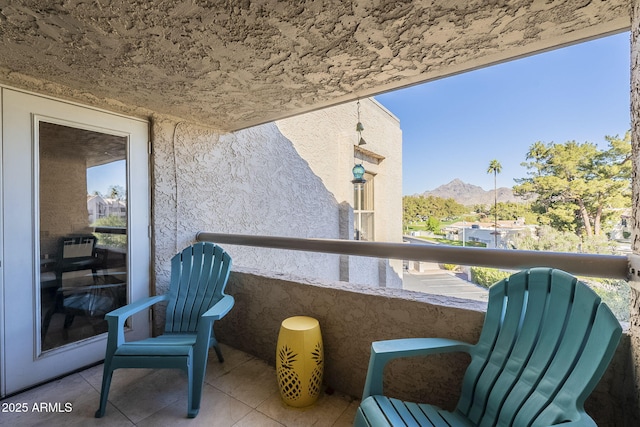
351, 317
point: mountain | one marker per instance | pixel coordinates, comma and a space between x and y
469, 194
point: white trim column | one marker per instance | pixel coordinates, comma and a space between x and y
634, 321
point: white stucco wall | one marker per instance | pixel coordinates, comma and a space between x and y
248, 182
290, 178
326, 139
284, 179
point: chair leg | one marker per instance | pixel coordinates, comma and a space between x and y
46, 322
218, 353
68, 320
195, 392
214, 343
104, 392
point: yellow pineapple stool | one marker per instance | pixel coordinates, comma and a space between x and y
299, 361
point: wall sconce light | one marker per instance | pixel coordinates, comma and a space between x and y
358, 174
358, 169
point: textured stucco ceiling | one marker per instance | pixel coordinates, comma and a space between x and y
233, 64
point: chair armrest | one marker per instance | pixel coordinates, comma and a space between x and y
220, 309
205, 323
384, 351
216, 312
117, 317
584, 421
130, 309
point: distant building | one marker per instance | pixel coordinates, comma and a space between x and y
622, 229
483, 232
102, 207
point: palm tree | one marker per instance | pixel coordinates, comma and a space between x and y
495, 167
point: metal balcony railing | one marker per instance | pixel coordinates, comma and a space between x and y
110, 230
608, 266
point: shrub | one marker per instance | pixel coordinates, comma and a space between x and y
615, 293
111, 240
486, 277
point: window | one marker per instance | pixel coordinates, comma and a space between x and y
83, 274
363, 209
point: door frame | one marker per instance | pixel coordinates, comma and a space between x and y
2, 326
139, 235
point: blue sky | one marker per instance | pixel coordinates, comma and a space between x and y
453, 127
101, 178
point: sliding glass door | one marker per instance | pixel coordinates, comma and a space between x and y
75, 236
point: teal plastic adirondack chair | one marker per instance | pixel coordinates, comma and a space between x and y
196, 299
546, 341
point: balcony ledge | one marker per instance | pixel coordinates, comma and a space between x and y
353, 316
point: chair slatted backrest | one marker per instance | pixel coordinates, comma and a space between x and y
198, 277
545, 343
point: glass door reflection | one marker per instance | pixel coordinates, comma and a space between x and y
83, 231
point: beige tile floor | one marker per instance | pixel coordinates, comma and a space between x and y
241, 392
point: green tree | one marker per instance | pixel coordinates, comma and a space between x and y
418, 209
117, 192
409, 210
433, 224
421, 206
495, 168
549, 239
512, 211
576, 185
481, 209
